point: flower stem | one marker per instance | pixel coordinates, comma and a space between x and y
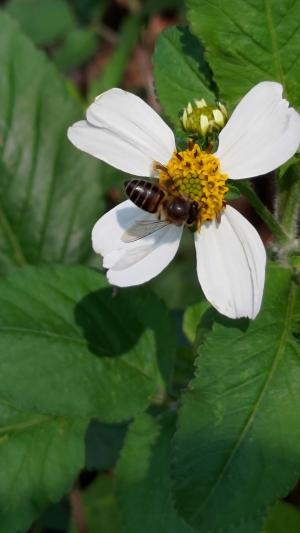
278, 231
289, 200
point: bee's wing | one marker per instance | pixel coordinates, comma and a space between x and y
141, 229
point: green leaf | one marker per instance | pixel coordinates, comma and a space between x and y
40, 457
233, 193
178, 284
282, 172
71, 347
180, 72
236, 450
283, 518
44, 21
183, 370
99, 507
249, 41
50, 192
143, 478
114, 71
253, 526
103, 445
192, 317
78, 47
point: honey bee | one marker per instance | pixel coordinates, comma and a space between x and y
169, 208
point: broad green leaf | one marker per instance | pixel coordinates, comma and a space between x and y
43, 20
249, 41
99, 507
78, 47
191, 318
180, 72
283, 518
237, 450
178, 284
50, 192
40, 457
253, 526
143, 478
103, 445
116, 66
72, 347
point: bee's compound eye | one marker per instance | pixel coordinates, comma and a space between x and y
178, 209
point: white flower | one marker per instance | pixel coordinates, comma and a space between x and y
262, 133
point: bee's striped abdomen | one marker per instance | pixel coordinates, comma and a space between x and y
144, 194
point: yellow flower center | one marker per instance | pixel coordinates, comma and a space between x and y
195, 175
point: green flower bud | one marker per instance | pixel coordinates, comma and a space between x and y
200, 118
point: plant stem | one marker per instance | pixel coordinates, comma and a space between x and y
278, 230
290, 203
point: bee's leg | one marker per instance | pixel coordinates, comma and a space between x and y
157, 167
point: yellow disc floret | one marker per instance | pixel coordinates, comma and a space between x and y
195, 175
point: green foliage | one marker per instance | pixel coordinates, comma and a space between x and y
248, 42
95, 354
78, 47
192, 318
240, 416
283, 518
40, 457
103, 445
99, 507
113, 73
233, 193
42, 20
178, 284
43, 178
143, 478
180, 71
153, 6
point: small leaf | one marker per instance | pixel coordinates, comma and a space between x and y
192, 317
239, 422
143, 478
50, 192
249, 41
233, 193
180, 72
87, 352
43, 21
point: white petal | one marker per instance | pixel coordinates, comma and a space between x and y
262, 133
133, 263
122, 130
231, 262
